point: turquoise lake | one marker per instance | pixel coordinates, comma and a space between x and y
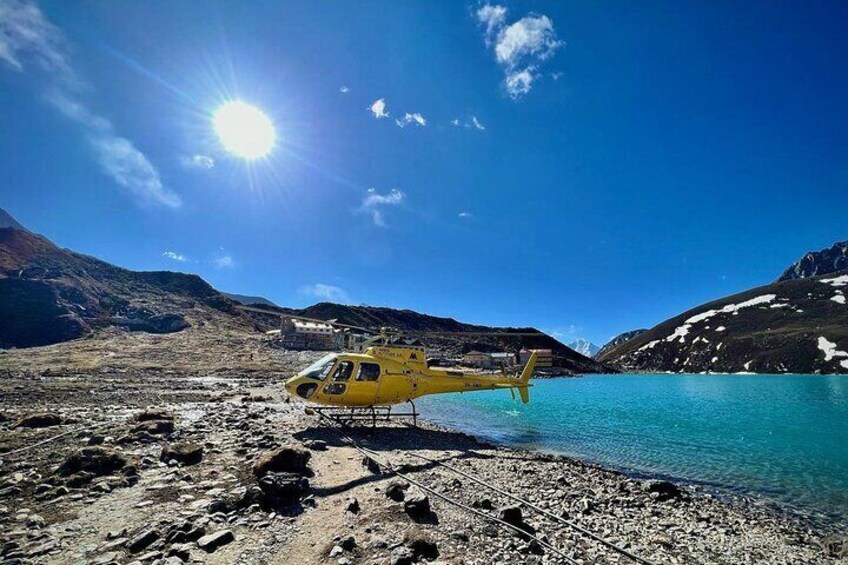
783, 437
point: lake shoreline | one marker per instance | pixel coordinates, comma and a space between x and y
731, 495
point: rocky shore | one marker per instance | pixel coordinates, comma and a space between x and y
129, 464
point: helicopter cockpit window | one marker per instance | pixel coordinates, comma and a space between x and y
334, 388
368, 372
343, 371
319, 369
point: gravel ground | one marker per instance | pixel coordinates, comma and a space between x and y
154, 464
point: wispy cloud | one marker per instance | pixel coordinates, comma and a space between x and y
493, 18
343, 89
374, 202
464, 214
27, 37
378, 108
198, 161
224, 260
472, 123
175, 256
325, 292
520, 48
414, 118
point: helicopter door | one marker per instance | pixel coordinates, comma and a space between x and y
362, 390
336, 387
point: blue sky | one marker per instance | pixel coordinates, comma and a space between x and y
582, 168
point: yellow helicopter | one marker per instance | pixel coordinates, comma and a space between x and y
389, 372
392, 374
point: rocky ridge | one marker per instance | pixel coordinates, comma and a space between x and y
817, 263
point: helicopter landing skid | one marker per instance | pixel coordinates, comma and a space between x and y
373, 414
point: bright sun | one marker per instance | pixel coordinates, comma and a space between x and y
244, 130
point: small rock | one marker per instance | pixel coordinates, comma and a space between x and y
143, 540
401, 556
662, 490
283, 459
352, 505
213, 541
316, 445
422, 546
347, 543
44, 420
95, 460
417, 505
396, 489
183, 452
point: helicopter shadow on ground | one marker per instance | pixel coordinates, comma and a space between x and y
391, 438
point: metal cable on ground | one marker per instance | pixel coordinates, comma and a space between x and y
447, 499
560, 519
48, 440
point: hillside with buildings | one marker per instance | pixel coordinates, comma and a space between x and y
444, 337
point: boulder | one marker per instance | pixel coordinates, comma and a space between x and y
283, 459
183, 452
44, 420
96, 461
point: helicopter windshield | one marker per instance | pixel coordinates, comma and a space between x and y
320, 368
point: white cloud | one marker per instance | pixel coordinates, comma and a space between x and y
455, 121
343, 89
378, 108
493, 17
408, 118
25, 35
477, 123
326, 292
464, 214
175, 256
374, 202
519, 47
198, 161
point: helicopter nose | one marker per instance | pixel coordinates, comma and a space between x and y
302, 388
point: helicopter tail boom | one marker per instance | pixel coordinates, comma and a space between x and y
526, 373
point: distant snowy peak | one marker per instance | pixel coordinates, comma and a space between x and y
618, 340
816, 263
584, 347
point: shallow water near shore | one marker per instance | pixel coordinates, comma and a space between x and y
783, 437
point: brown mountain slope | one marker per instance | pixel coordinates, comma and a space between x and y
49, 294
